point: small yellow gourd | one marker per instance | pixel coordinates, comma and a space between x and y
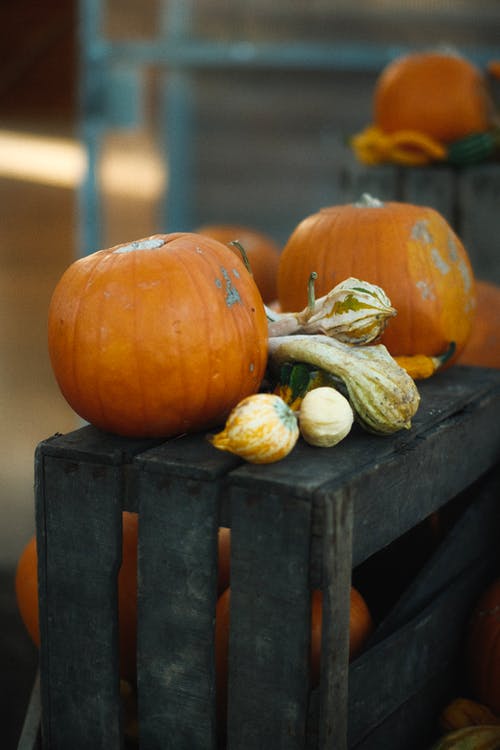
261, 429
421, 366
325, 417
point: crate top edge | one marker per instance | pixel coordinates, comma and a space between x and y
90, 444
443, 397
192, 456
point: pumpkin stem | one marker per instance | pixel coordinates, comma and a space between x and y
237, 244
368, 201
448, 354
311, 296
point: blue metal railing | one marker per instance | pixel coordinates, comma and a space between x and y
111, 66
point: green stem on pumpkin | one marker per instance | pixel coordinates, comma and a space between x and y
448, 354
237, 244
368, 201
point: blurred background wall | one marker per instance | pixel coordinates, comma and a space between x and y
173, 133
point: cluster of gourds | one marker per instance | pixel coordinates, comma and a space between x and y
330, 339
431, 106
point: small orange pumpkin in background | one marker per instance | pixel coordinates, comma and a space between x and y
483, 647
440, 94
262, 251
157, 337
410, 251
483, 346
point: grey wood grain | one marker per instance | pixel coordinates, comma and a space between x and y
472, 538
387, 675
178, 526
479, 190
436, 187
337, 556
270, 621
79, 551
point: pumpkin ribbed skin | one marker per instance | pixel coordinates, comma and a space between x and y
262, 252
483, 647
441, 95
483, 346
157, 337
410, 251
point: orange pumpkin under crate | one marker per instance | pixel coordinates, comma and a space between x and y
304, 523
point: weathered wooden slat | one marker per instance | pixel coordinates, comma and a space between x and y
479, 188
414, 725
387, 680
176, 611
473, 537
91, 444
385, 676
356, 179
79, 515
430, 186
270, 621
418, 476
337, 556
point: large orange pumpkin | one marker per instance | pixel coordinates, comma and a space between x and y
157, 337
410, 251
483, 647
262, 251
442, 95
26, 585
483, 346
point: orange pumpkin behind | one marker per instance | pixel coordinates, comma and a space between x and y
410, 251
442, 95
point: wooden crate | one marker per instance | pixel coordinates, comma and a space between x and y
306, 522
